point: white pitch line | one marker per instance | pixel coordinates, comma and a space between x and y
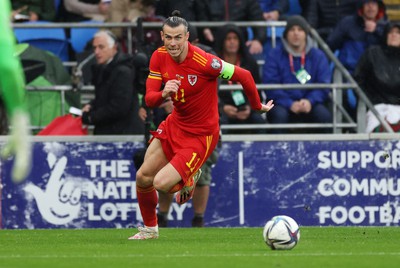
269, 254
241, 188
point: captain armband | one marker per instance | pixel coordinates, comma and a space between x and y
227, 71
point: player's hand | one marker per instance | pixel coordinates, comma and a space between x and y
170, 88
19, 145
267, 107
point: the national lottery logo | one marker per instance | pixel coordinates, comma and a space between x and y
103, 193
59, 203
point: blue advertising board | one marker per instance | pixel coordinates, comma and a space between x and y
318, 183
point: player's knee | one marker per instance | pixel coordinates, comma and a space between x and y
142, 180
161, 185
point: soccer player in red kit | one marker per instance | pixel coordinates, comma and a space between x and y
184, 141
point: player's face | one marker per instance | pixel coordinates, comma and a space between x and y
231, 43
175, 41
102, 49
370, 10
296, 37
393, 38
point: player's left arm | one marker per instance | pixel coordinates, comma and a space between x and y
244, 77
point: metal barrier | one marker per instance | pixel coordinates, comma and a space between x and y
337, 86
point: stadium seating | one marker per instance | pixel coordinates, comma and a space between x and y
50, 39
270, 42
81, 36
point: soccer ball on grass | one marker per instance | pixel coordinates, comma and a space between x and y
281, 232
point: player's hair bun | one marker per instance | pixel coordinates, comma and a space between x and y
176, 13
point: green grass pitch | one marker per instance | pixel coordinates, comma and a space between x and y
199, 247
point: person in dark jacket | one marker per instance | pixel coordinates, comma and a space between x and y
233, 10
188, 8
296, 61
356, 32
114, 110
323, 15
235, 108
33, 10
378, 74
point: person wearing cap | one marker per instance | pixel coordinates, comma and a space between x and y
297, 61
378, 74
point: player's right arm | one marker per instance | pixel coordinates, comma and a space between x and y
154, 97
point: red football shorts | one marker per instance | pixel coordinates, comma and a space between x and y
186, 152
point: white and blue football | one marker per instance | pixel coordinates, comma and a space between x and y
281, 232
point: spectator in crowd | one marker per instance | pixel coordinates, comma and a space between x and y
129, 11
114, 110
323, 15
33, 10
12, 84
232, 10
274, 9
81, 10
354, 33
296, 61
235, 108
378, 74
188, 8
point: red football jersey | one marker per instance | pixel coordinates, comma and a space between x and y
196, 103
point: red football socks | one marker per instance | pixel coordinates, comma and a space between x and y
148, 200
